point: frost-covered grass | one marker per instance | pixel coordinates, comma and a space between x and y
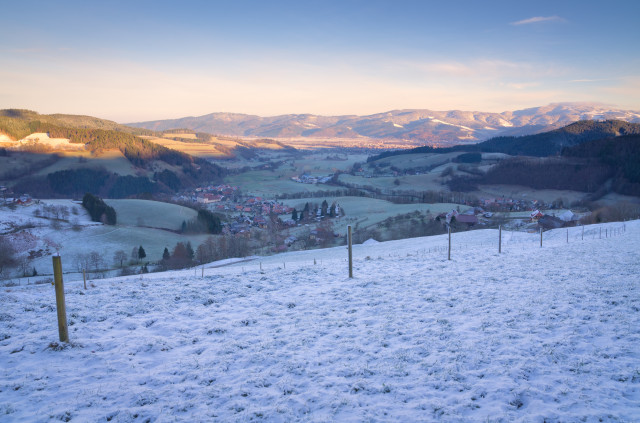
534, 334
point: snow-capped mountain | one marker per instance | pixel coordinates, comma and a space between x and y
416, 126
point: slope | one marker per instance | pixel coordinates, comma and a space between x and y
413, 337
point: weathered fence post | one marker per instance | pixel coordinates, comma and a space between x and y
600, 232
540, 237
84, 278
63, 330
567, 236
203, 270
350, 251
582, 232
499, 239
449, 253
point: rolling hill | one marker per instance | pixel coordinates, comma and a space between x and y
135, 165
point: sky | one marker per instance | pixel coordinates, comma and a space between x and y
145, 60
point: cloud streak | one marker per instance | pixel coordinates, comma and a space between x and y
538, 19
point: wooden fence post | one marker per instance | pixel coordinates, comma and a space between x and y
582, 232
540, 237
349, 241
567, 236
63, 330
84, 278
449, 253
499, 239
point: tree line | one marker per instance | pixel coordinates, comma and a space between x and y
99, 210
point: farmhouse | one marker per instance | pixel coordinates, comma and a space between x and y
536, 215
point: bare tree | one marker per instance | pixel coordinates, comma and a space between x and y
134, 254
24, 266
95, 260
119, 257
81, 262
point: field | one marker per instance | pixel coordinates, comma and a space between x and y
205, 150
152, 214
269, 184
426, 182
367, 212
140, 222
111, 160
412, 337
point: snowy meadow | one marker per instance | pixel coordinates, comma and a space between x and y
534, 334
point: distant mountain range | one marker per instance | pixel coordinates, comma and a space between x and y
416, 126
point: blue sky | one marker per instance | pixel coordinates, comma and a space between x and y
139, 60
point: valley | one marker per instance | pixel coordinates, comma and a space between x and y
270, 196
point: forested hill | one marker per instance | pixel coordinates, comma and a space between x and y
621, 154
539, 145
551, 143
185, 170
19, 123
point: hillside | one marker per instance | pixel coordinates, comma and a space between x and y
18, 123
413, 337
152, 167
552, 142
598, 166
416, 127
539, 145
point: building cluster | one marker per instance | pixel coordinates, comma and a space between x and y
7, 197
308, 179
509, 204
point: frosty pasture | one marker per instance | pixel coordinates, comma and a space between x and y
534, 334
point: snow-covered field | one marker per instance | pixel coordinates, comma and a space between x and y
534, 334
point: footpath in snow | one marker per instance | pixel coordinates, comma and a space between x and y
530, 335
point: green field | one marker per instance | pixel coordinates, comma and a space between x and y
112, 161
317, 164
268, 184
153, 214
367, 212
409, 161
425, 182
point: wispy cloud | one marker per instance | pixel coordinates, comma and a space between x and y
576, 81
539, 19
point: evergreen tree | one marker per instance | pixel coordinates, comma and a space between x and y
141, 253
323, 208
294, 215
190, 252
166, 255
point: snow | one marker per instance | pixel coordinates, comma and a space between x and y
530, 335
450, 124
398, 126
43, 138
